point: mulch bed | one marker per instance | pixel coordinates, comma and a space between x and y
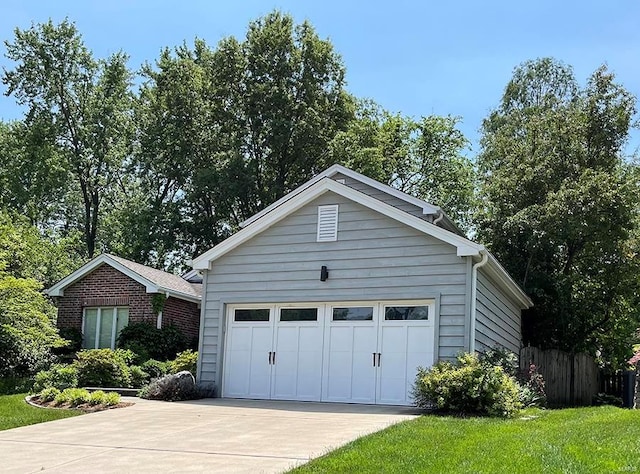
35, 401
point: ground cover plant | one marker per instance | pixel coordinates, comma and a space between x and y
15, 412
584, 440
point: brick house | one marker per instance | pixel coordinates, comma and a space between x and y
109, 292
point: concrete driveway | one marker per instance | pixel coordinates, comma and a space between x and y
212, 435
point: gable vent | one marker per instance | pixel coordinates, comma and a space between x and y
328, 223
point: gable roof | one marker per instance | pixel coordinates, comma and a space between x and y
339, 169
154, 280
323, 183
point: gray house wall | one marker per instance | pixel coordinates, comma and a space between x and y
497, 317
374, 258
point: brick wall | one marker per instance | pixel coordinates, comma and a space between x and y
183, 314
106, 286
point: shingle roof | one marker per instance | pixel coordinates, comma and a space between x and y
160, 278
155, 281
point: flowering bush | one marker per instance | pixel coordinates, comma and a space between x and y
467, 386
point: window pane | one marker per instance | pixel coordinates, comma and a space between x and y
406, 313
89, 336
299, 314
353, 314
123, 320
106, 326
251, 315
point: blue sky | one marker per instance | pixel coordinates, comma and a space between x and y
414, 57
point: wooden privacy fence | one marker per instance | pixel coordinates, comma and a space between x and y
569, 380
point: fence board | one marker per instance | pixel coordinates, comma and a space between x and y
555, 367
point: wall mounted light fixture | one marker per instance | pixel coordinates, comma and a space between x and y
324, 273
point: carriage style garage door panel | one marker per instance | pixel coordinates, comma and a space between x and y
364, 352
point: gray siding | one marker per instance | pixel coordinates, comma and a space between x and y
375, 258
384, 197
497, 317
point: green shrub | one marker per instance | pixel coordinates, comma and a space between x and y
530, 382
28, 334
138, 376
186, 360
150, 342
73, 396
13, 385
155, 368
467, 387
59, 376
73, 336
103, 368
49, 394
111, 398
97, 398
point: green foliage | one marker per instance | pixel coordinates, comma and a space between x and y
138, 376
27, 330
111, 399
74, 338
97, 398
226, 131
423, 157
467, 387
48, 394
560, 205
605, 399
73, 397
155, 368
103, 368
58, 376
106, 399
150, 342
157, 302
186, 360
29, 254
11, 385
83, 109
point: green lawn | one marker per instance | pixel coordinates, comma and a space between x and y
14, 412
580, 440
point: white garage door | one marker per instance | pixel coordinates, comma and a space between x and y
340, 352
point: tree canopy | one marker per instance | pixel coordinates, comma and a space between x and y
560, 205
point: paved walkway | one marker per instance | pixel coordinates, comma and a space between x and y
212, 435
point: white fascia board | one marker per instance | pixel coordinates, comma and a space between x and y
464, 246
58, 288
335, 169
177, 294
504, 280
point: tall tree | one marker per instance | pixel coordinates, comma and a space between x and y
560, 204
225, 132
84, 104
423, 157
33, 177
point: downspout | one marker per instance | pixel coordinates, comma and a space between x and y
439, 218
474, 291
159, 320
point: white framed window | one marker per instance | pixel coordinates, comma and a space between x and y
328, 223
101, 326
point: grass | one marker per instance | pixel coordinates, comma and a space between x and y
577, 440
14, 412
